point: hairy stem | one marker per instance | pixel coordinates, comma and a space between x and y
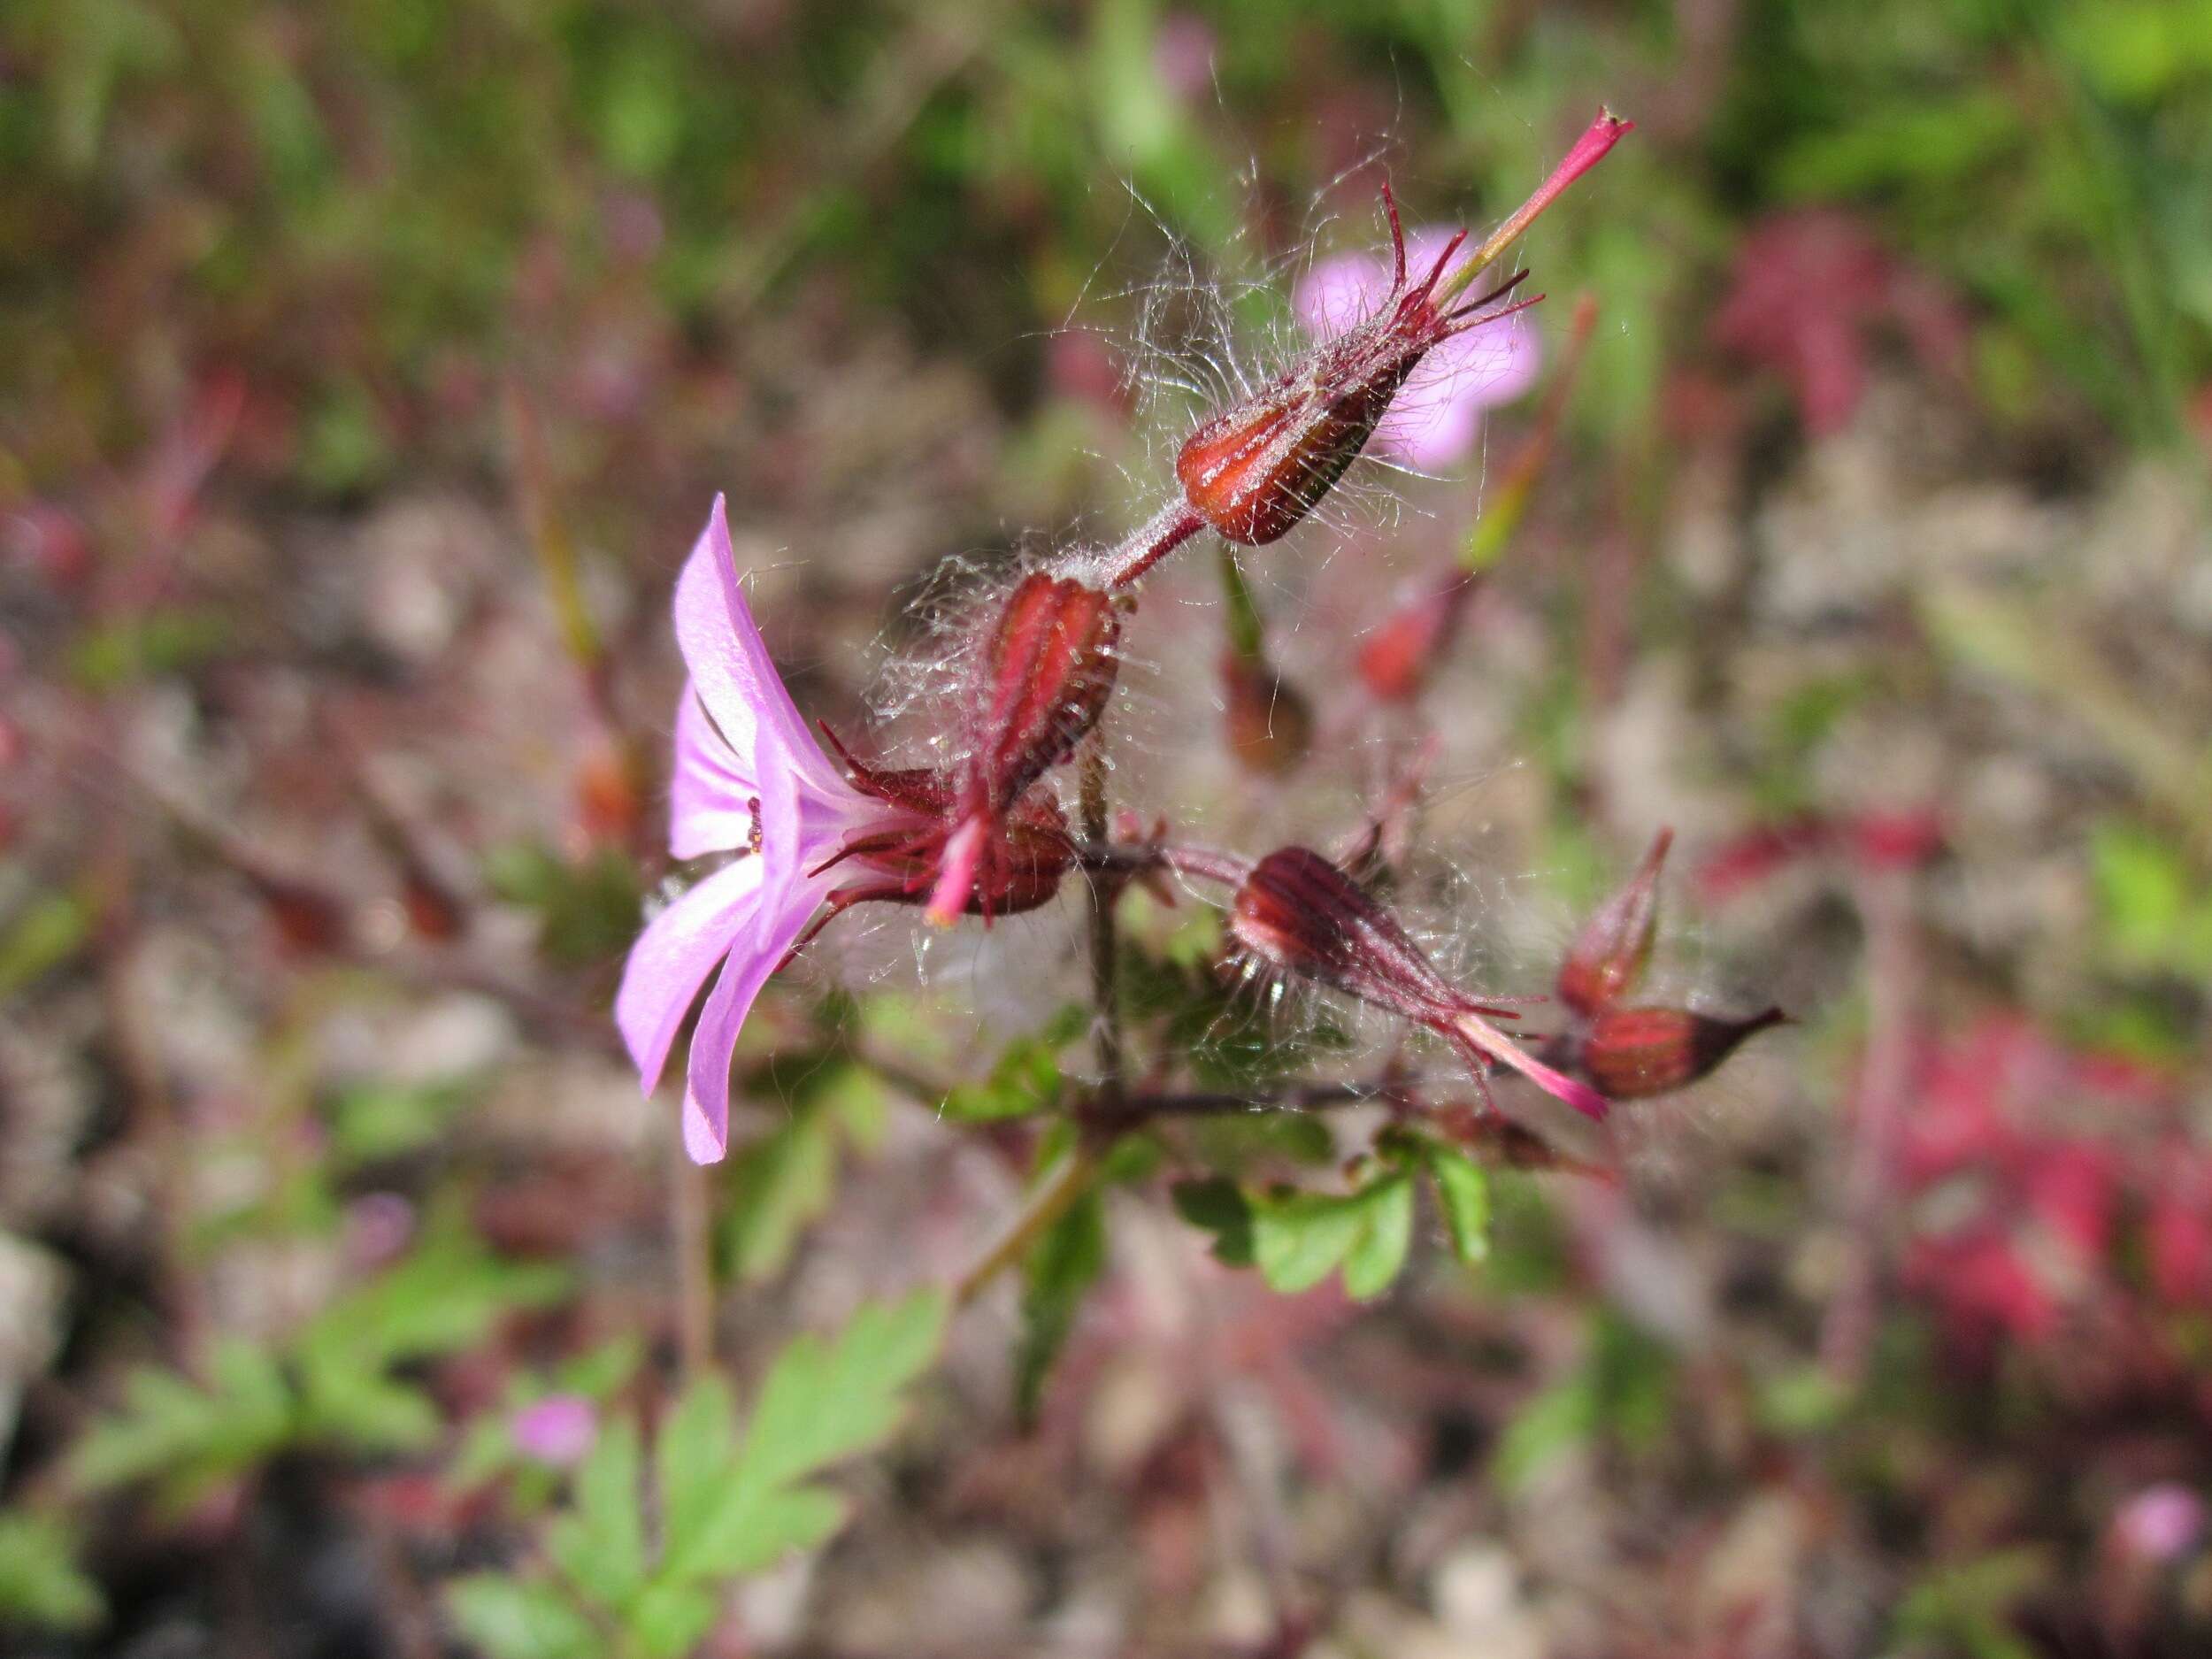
1169, 528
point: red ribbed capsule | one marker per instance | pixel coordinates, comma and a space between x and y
1044, 678
1254, 471
1050, 669
1608, 955
1631, 1053
1299, 914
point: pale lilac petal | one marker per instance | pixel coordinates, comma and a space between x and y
729, 661
1428, 427
710, 792
673, 956
706, 1120
1492, 364
1341, 293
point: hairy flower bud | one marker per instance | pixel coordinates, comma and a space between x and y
1608, 955
1044, 677
1299, 913
1630, 1053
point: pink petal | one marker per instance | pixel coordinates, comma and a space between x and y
1487, 1038
556, 1431
729, 661
673, 956
706, 1120
710, 792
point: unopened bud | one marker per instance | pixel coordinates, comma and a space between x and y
1608, 956
1299, 913
1270, 721
1630, 1053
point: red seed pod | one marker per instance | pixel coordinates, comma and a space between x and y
1044, 678
1301, 915
1257, 468
1608, 956
1270, 722
1631, 1053
1048, 671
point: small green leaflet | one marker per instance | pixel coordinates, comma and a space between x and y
1298, 1238
649, 1566
330, 1384
1064, 1265
1024, 1080
41, 1583
786, 1180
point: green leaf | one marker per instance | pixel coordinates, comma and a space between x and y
1379, 1251
1062, 1267
2148, 902
1218, 1205
189, 1436
1462, 1192
599, 1372
384, 1120
778, 1184
823, 1401
41, 1583
786, 1180
1552, 1424
600, 1543
826, 1400
695, 1457
367, 1410
1301, 1238
1969, 1606
42, 936
670, 1620
1024, 1080
509, 1619
444, 1296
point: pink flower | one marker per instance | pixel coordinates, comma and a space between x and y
2160, 1523
1435, 418
750, 780
556, 1431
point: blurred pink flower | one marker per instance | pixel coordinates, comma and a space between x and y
1435, 418
557, 1430
2159, 1523
750, 780
1183, 54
